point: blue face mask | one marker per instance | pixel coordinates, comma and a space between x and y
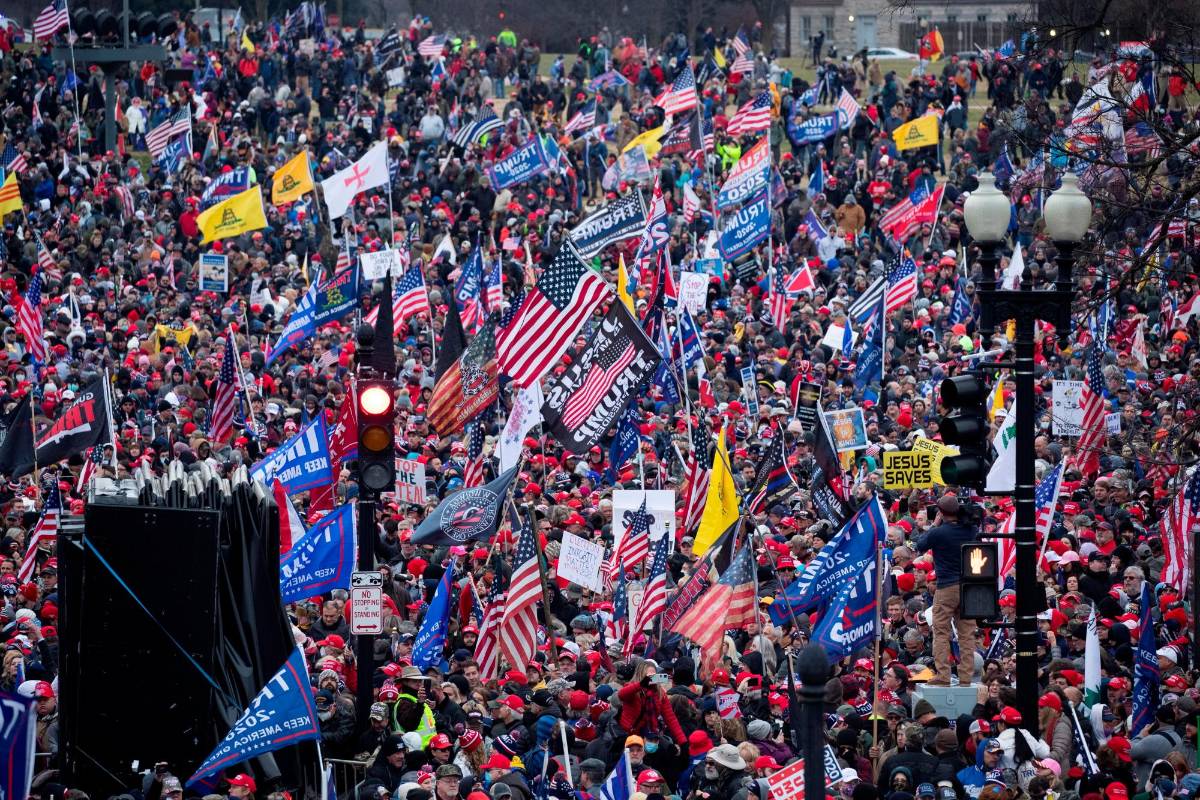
651, 747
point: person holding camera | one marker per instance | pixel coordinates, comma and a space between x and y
945, 540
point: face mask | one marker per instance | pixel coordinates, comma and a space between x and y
324, 715
651, 747
711, 772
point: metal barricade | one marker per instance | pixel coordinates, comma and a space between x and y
347, 775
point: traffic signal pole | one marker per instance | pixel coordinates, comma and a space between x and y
364, 646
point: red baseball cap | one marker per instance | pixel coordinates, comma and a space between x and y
1120, 745
242, 779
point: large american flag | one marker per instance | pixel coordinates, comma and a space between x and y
1092, 429
565, 296
432, 46
901, 285
1045, 497
161, 136
900, 213
635, 544
52, 18
47, 526
12, 160
473, 473
752, 117
729, 603
487, 649
1177, 528
518, 637
584, 119
681, 96
781, 300
225, 400
654, 599
698, 471
409, 298
29, 320
614, 359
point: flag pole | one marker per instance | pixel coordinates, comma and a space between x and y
879, 576
549, 615
75, 88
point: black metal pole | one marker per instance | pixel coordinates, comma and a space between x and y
813, 666
1031, 600
364, 647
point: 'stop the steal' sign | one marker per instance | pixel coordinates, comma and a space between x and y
907, 469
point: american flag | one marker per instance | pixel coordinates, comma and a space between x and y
29, 320
635, 544
1045, 496
681, 96
691, 204
409, 298
161, 136
773, 482
473, 473
729, 603
1141, 139
740, 42
432, 46
752, 117
897, 213
125, 195
901, 285
781, 299
493, 285
518, 640
565, 296
467, 292
706, 141
699, 469
46, 529
485, 122
584, 119
52, 18
612, 360
91, 464
683, 136
848, 107
12, 160
1177, 527
743, 63
617, 628
1092, 429
225, 401
487, 649
45, 261
654, 600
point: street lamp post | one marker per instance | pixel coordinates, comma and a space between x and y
987, 213
813, 667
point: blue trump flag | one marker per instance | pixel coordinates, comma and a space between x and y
301, 463
523, 164
224, 186
281, 715
322, 560
625, 442
746, 228
847, 620
18, 726
960, 308
1145, 665
431, 639
869, 367
841, 563
327, 302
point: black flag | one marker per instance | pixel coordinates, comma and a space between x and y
829, 494
773, 483
16, 448
81, 425
383, 359
454, 341
466, 515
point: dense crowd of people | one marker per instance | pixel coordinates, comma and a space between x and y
114, 240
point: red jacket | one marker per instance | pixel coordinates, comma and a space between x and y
641, 709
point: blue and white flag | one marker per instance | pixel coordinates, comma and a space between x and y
301, 463
816, 181
960, 308
431, 639
816, 231
225, 186
625, 441
18, 727
1145, 665
523, 164
619, 785
869, 367
813, 129
328, 302
175, 153
322, 560
690, 350
282, 714
745, 229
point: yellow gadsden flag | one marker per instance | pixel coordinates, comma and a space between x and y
648, 141
721, 503
10, 195
623, 284
239, 214
292, 180
922, 132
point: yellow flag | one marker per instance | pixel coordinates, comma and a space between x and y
247, 45
304, 271
648, 140
921, 132
721, 503
623, 284
997, 400
239, 214
719, 58
292, 180
10, 195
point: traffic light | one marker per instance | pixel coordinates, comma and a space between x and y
965, 425
376, 438
979, 597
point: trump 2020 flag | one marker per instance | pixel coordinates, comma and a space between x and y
619, 785
321, 560
431, 639
301, 463
1145, 665
18, 724
281, 715
467, 514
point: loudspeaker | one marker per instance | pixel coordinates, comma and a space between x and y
139, 641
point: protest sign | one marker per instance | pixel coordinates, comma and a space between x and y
214, 272
660, 512
808, 397
907, 469
410, 481
939, 452
1067, 404
693, 291
375, 266
580, 560
848, 429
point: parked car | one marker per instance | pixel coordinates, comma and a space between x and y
890, 54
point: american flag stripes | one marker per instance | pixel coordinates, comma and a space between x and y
29, 320
901, 287
698, 471
91, 465
773, 482
47, 526
691, 204
584, 119
487, 649
565, 296
654, 599
12, 160
635, 544
45, 261
752, 117
612, 361
225, 400
781, 300
432, 46
1178, 528
473, 472
177, 125
706, 140
51, 19
616, 629
742, 64
681, 96
740, 42
1045, 497
1092, 429
409, 298
518, 640
729, 603
493, 285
